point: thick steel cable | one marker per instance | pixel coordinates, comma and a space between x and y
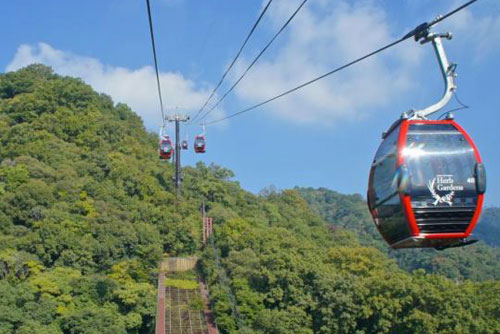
155, 60
414, 33
234, 60
255, 60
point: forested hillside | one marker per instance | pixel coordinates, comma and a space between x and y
488, 228
86, 210
477, 262
289, 273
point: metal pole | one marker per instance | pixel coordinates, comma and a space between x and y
178, 177
177, 158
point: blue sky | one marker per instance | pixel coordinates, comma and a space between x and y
325, 135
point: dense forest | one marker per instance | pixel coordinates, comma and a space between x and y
478, 262
281, 270
488, 228
87, 209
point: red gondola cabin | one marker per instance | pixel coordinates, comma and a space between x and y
426, 184
165, 148
199, 144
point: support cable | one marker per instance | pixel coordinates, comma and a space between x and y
234, 60
151, 31
418, 32
255, 60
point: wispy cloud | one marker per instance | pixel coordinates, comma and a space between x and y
136, 87
477, 33
324, 35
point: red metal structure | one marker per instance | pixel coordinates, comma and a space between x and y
426, 184
208, 228
160, 305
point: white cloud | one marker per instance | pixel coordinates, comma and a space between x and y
326, 34
323, 36
477, 33
136, 87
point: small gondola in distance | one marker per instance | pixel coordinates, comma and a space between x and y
426, 185
200, 144
165, 148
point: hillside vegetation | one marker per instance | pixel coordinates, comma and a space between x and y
488, 229
289, 273
87, 209
478, 262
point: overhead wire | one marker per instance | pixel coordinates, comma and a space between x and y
453, 12
255, 60
414, 33
234, 59
151, 31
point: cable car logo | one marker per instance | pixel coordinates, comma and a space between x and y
443, 183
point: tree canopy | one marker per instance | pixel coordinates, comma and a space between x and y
87, 210
478, 262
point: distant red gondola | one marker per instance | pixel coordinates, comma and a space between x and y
199, 144
165, 148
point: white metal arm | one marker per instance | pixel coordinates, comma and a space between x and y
162, 131
448, 71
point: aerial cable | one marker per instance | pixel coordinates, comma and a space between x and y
417, 32
234, 60
255, 60
155, 60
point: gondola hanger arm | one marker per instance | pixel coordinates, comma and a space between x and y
447, 70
